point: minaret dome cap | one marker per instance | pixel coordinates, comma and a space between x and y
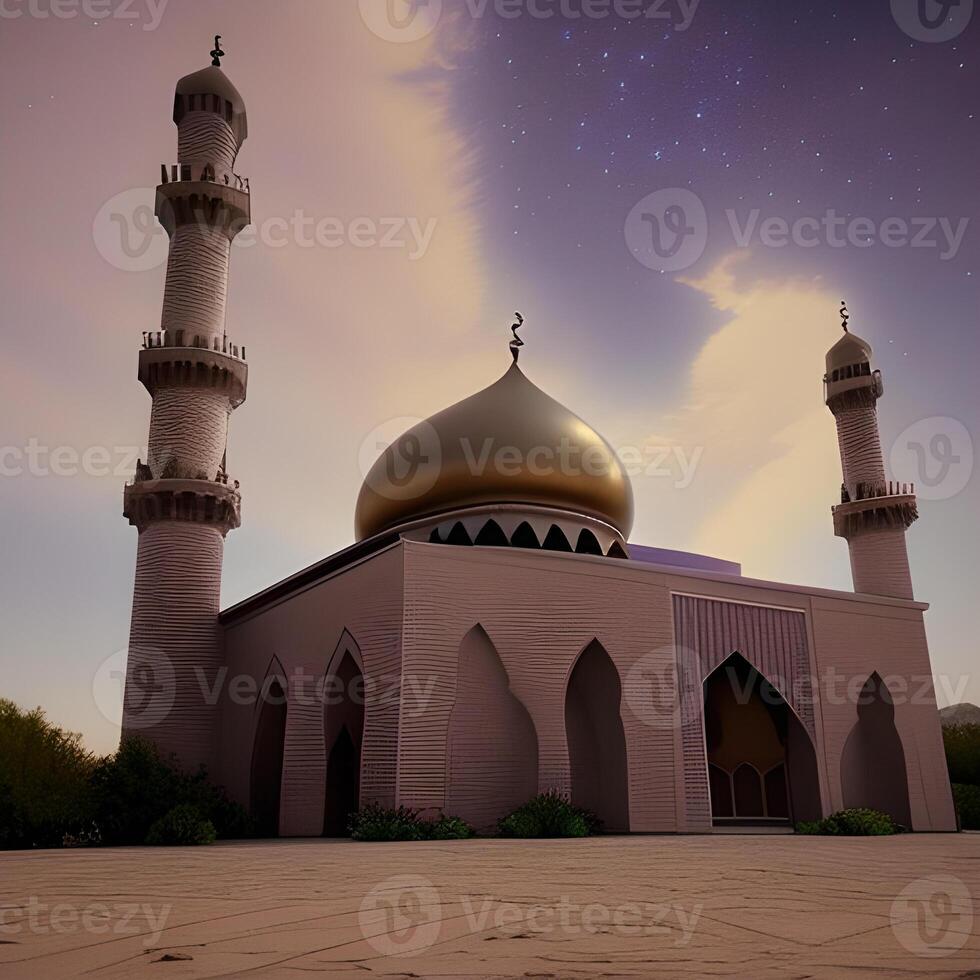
850, 349
212, 81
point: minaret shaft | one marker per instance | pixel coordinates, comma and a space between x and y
181, 500
874, 513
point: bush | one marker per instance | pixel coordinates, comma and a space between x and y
135, 788
45, 794
183, 826
448, 828
852, 823
967, 801
549, 815
378, 823
962, 744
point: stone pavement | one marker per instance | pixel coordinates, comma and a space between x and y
745, 906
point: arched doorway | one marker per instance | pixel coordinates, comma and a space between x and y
343, 729
267, 756
873, 771
596, 740
762, 767
492, 747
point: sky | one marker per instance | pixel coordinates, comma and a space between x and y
677, 202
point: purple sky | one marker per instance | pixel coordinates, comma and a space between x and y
511, 150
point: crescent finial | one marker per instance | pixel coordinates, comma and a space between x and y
844, 315
217, 54
516, 344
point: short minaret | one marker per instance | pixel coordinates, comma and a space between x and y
181, 499
874, 513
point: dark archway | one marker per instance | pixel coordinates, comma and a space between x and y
616, 551
873, 770
524, 537
596, 740
555, 540
762, 767
491, 535
343, 730
267, 758
459, 535
588, 543
492, 745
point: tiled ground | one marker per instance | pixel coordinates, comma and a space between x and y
745, 906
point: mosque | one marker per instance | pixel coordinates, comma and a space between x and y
493, 633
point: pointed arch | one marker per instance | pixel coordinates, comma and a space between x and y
491, 535
459, 535
343, 733
524, 537
761, 760
492, 744
616, 550
873, 769
268, 746
555, 540
596, 738
588, 543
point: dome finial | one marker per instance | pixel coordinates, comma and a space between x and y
844, 315
516, 344
217, 54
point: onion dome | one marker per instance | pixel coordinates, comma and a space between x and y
510, 444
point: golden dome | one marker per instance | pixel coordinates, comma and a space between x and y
508, 444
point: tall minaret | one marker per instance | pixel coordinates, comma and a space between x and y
874, 513
181, 499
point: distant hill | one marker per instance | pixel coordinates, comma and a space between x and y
959, 714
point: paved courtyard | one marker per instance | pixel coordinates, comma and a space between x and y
746, 906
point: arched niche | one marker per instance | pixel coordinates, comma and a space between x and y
343, 733
492, 745
873, 772
268, 746
596, 740
762, 766
524, 537
491, 535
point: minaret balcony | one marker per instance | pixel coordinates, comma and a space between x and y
876, 507
168, 359
200, 501
200, 196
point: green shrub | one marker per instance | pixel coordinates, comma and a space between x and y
448, 828
183, 826
962, 744
967, 800
134, 788
379, 823
851, 823
549, 815
45, 795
